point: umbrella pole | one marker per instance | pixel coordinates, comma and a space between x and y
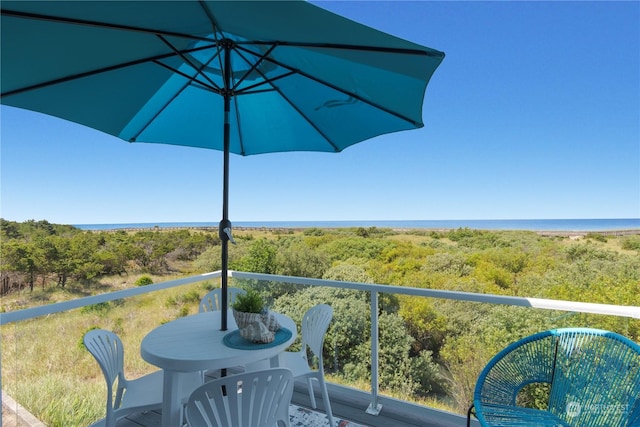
225, 225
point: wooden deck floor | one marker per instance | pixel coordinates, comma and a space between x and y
346, 403
350, 405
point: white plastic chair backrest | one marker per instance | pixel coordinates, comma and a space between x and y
315, 323
212, 302
106, 347
251, 399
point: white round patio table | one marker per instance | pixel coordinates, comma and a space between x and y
195, 343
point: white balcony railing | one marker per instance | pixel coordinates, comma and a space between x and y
374, 290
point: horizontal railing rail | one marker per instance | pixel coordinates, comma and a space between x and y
373, 289
548, 304
44, 310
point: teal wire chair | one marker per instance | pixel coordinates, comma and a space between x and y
593, 375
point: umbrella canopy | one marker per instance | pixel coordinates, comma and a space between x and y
244, 77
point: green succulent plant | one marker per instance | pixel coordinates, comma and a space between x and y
251, 302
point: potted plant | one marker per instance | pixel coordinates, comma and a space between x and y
248, 308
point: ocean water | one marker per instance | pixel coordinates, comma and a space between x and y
481, 224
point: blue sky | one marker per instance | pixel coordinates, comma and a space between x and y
533, 114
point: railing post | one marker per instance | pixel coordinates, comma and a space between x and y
374, 407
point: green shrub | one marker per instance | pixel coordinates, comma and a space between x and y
190, 297
631, 243
313, 231
208, 286
81, 345
534, 395
144, 281
99, 308
597, 237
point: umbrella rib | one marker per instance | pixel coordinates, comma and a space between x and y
395, 50
27, 15
337, 88
275, 88
210, 16
308, 120
211, 85
192, 79
215, 28
361, 99
269, 81
159, 111
98, 71
249, 89
253, 65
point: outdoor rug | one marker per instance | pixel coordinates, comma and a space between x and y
303, 417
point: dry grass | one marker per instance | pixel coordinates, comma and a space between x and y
46, 368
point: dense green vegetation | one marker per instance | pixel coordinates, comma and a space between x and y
430, 349
37, 251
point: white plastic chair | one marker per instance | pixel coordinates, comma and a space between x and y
131, 396
315, 323
250, 399
211, 301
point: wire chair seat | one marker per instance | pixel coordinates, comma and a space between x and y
593, 375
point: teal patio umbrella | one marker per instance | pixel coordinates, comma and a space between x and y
243, 77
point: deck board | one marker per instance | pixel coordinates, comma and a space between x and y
347, 403
350, 406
